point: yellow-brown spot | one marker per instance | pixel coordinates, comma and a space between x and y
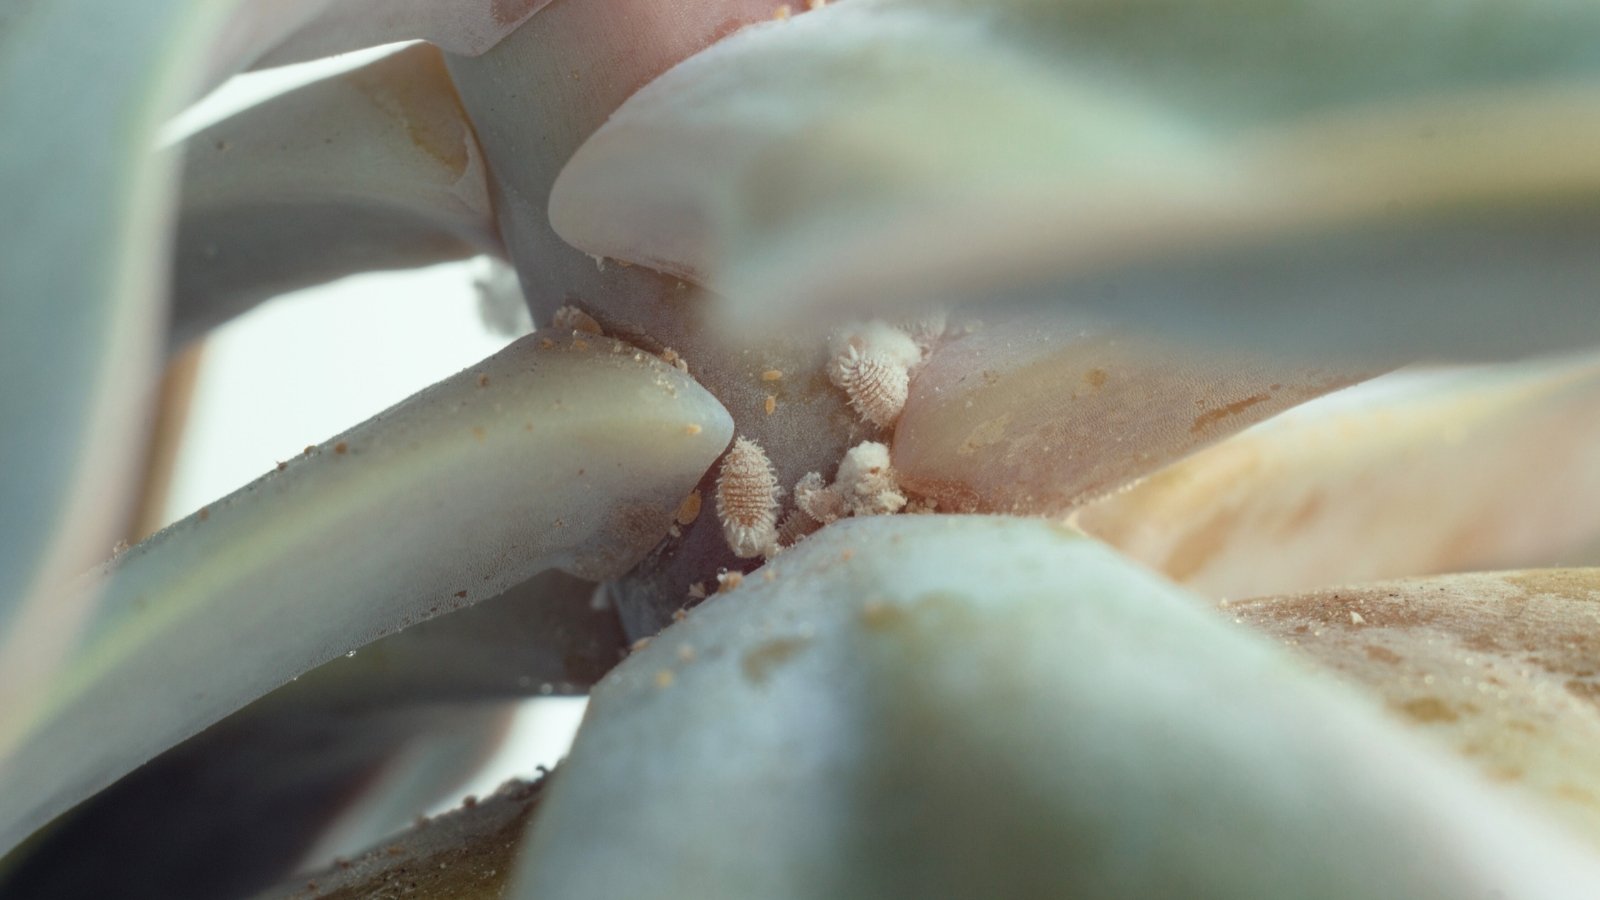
1429, 710
1211, 417
759, 663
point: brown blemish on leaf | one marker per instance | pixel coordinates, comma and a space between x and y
1200, 546
758, 664
1581, 585
413, 88
1429, 710
1583, 690
1095, 378
341, 448
879, 616
1382, 654
1211, 417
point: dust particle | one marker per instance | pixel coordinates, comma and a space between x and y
664, 678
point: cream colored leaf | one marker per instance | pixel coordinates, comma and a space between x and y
927, 706
1501, 667
1412, 474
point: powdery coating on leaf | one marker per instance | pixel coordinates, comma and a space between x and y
1500, 667
747, 499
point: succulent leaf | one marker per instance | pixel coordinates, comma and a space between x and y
87, 86
1500, 666
372, 168
358, 745
1415, 473
1375, 180
468, 27
239, 806
963, 706
1037, 415
571, 456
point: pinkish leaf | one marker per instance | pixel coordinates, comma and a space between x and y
1036, 416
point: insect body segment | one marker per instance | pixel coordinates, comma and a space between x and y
747, 500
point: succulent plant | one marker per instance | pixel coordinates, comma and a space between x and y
970, 450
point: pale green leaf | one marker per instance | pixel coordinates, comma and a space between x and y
1377, 178
962, 706
372, 168
547, 455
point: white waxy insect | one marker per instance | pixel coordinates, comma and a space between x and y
872, 363
867, 481
796, 525
747, 500
818, 501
